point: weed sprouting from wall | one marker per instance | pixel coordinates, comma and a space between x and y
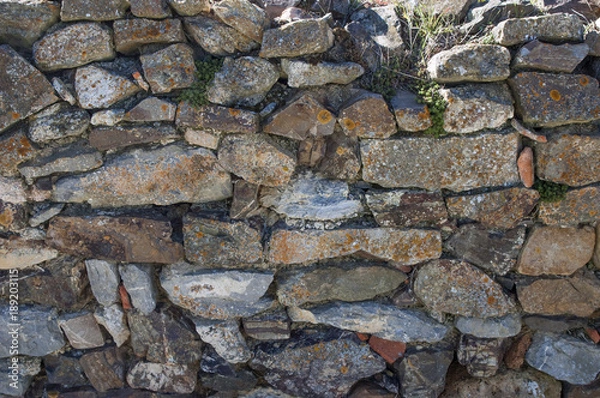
196, 94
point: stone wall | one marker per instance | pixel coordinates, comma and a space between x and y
288, 231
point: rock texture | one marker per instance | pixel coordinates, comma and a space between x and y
470, 63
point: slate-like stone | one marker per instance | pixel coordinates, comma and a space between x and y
138, 279
151, 109
74, 158
64, 371
271, 325
169, 69
470, 63
217, 38
305, 74
225, 338
101, 10
490, 328
22, 253
302, 118
303, 37
149, 177
382, 24
24, 90
104, 281
495, 11
549, 57
74, 45
242, 81
359, 283
189, 8
580, 206
106, 138
22, 23
367, 116
548, 99
455, 163
133, 33
316, 363
28, 368
245, 200
98, 88
156, 9
114, 320
105, 369
128, 239
457, 287
410, 115
217, 119
404, 247
405, 208
108, 117
548, 28
81, 330
555, 324
491, 250
64, 91
382, 320
245, 17
58, 121
481, 357
43, 212
163, 377
564, 357
503, 209
341, 159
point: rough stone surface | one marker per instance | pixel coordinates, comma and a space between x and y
470, 63
98, 88
515, 354
102, 10
303, 37
156, 9
410, 115
152, 109
22, 253
135, 178
271, 325
490, 328
549, 57
74, 158
243, 16
400, 246
456, 287
481, 357
456, 163
138, 279
82, 330
304, 117
128, 239
596, 257
108, 117
12, 190
220, 375
114, 320
15, 148
189, 8
163, 377
367, 116
106, 138
105, 369
28, 369
341, 159
549, 28
58, 121
382, 24
245, 199
169, 69
304, 74
580, 206
104, 281
217, 38
132, 34
64, 371
225, 338
217, 119
405, 208
13, 217
22, 23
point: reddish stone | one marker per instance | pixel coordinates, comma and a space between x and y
515, 355
593, 334
389, 350
362, 336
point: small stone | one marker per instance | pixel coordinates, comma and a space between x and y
218, 374
44, 212
151, 109
12, 190
225, 338
550, 58
311, 151
56, 122
495, 11
104, 281
273, 325
99, 88
138, 279
382, 24
341, 159
217, 119
245, 199
580, 206
481, 357
525, 166
22, 23
303, 37
102, 10
305, 74
243, 16
490, 328
515, 355
22, 253
470, 63
169, 69
389, 350
74, 158
105, 369
82, 330
217, 38
64, 371
548, 28
456, 9
15, 148
367, 116
163, 377
156, 9
108, 117
107, 138
114, 320
132, 34
28, 369
410, 115
304, 117
206, 139
188, 8
503, 209
405, 208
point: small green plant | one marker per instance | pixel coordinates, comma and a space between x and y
196, 94
550, 191
429, 94
388, 77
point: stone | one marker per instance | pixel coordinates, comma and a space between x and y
470, 63
555, 324
44, 212
564, 357
316, 363
382, 320
341, 159
114, 320
367, 116
243, 81
12, 190
548, 28
382, 24
64, 91
403, 247
21, 253
503, 209
549, 57
138, 279
74, 45
56, 122
549, 100
361, 42
99, 88
203, 138
455, 163
587, 391
389, 350
302, 118
410, 114
266, 392
311, 151
156, 9
225, 337
64, 371
21, 23
481, 357
305, 74
151, 109
272, 325
256, 159
302, 37
216, 294
169, 69
217, 119
457, 9
490, 328
245, 17
596, 256
134, 178
105, 369
210, 242
163, 377
585, 9
359, 283
108, 117
457, 287
82, 330
493, 251
128, 239
578, 295
495, 11
104, 281
580, 206
515, 355
217, 38
15, 148
13, 217
30, 323
407, 208
218, 374
107, 138
525, 164
245, 200
132, 34
188, 8
24, 90
103, 10
28, 369
552, 250
592, 39
74, 158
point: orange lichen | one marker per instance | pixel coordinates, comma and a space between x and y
199, 235
15, 115
583, 80
491, 300
340, 150
555, 95
349, 124
125, 302
324, 116
233, 111
424, 115
344, 370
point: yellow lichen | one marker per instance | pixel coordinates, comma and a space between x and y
324, 116
555, 95
349, 124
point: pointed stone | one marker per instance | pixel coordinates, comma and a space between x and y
171, 68
114, 320
58, 121
138, 279
225, 338
99, 88
82, 330
104, 281
305, 74
74, 158
550, 58
21, 253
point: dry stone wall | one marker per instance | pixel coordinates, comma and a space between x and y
295, 233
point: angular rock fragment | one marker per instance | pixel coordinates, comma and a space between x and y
114, 320
382, 24
169, 69
470, 63
311, 151
341, 159
156, 9
138, 279
74, 158
304, 117
58, 121
367, 116
481, 357
305, 74
189, 8
104, 281
63, 91
550, 58
217, 38
98, 88
131, 34
106, 138
15, 148
580, 206
549, 28
526, 167
218, 119
404, 208
303, 37
225, 338
28, 369
43, 212
410, 115
218, 374
21, 253
245, 199
271, 325
105, 369
108, 117
163, 377
151, 109
100, 10
243, 16
82, 330
490, 328
22, 23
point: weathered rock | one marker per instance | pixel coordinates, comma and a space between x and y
108, 117
548, 99
502, 209
28, 368
156, 9
22, 23
367, 116
404, 208
138, 279
217, 119
410, 115
128, 239
382, 24
470, 63
580, 206
43, 212
564, 357
218, 374
405, 247
389, 350
22, 253
243, 16
311, 151
587, 391
211, 242
64, 371
362, 43
548, 28
266, 392
216, 294
189, 8
82, 330
152, 109
24, 90
105, 369
272, 325
58, 121
592, 39
515, 355
363, 282
549, 57
495, 11
106, 138
305, 74
578, 295
217, 38
556, 251
131, 34
596, 257
457, 9
493, 251
74, 45
104, 281
225, 338
456, 287
98, 88
114, 320
163, 377
525, 164
341, 159
74, 158
490, 328
245, 199
15, 148
304, 117
12, 190
456, 163
13, 216
169, 69
316, 363
381, 320
554, 324
64, 91
481, 357
102, 10
242, 81
135, 178
303, 37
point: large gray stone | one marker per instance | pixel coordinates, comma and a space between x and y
169, 69
98, 88
17, 384
82, 330
225, 338
134, 33
99, 10
303, 37
305, 74
490, 328
163, 377
549, 57
138, 279
104, 281
22, 23
217, 38
76, 158
470, 63
382, 24
549, 28
580, 206
58, 121
245, 17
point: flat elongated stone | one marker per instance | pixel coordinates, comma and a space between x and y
549, 28
580, 206
135, 178
163, 377
305, 74
490, 328
98, 88
381, 320
243, 16
218, 119
225, 337
21, 253
456, 163
74, 45
189, 7
271, 325
114, 320
58, 121
549, 57
404, 208
22, 23
367, 116
152, 109
69, 159
138, 279
457, 287
105, 138
302, 118
131, 34
308, 36
100, 10
548, 99
400, 246
126, 239
470, 63
410, 115
82, 330
24, 90
169, 69
156, 9
217, 38
104, 281
105, 369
